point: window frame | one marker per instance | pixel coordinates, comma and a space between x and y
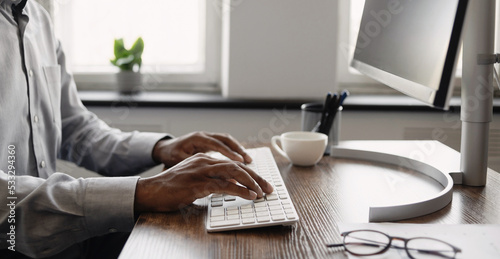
205, 81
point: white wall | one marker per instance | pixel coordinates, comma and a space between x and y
279, 49
248, 125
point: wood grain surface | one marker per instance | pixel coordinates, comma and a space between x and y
335, 190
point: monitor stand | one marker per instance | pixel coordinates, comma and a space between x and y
477, 90
445, 165
431, 158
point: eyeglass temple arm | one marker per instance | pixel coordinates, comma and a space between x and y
334, 245
352, 243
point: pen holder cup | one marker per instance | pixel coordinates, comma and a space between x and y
311, 115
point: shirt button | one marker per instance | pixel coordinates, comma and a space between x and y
30, 73
42, 164
35, 118
113, 230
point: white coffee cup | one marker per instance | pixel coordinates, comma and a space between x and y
302, 148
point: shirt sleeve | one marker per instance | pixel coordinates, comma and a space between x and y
49, 215
91, 143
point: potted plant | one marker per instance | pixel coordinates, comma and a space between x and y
129, 61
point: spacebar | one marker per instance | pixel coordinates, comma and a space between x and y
225, 223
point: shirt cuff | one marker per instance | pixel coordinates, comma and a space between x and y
143, 144
109, 205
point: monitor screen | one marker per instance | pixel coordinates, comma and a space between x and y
412, 46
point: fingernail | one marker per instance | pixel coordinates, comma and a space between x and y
239, 158
248, 158
253, 195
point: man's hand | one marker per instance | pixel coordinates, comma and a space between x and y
172, 151
197, 177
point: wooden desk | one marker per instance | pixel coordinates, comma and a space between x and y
335, 190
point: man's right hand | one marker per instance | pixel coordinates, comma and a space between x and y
194, 178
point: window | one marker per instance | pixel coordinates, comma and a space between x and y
181, 39
350, 12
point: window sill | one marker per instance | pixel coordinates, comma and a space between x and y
182, 100
216, 100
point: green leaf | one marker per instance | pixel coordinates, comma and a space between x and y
138, 47
126, 59
120, 50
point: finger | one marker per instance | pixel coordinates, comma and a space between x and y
227, 187
233, 145
231, 170
264, 185
213, 144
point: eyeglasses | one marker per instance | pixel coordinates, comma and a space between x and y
372, 242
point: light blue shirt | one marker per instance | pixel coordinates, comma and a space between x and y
42, 119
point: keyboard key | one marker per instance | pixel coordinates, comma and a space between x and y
232, 212
229, 198
262, 214
260, 209
271, 197
248, 220
217, 218
224, 223
217, 212
276, 212
260, 205
259, 200
278, 217
247, 215
217, 203
263, 219
246, 210
231, 217
274, 203
247, 206
275, 208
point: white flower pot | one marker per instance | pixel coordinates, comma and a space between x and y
129, 82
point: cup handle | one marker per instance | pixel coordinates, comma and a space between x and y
274, 144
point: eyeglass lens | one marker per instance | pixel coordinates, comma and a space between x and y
366, 242
429, 248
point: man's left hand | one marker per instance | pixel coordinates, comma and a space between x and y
172, 151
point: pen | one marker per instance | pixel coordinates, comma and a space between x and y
343, 95
332, 111
324, 112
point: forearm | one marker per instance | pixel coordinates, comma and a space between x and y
52, 214
90, 143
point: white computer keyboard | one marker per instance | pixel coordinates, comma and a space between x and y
231, 213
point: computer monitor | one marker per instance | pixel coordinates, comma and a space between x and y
412, 46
